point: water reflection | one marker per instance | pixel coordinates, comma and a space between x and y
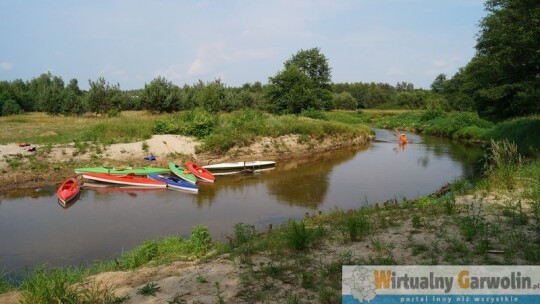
306, 182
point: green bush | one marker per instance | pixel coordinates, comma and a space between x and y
315, 114
200, 239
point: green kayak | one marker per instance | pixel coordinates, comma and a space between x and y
124, 170
182, 172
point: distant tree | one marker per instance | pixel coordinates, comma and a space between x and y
160, 96
304, 83
291, 91
404, 86
437, 86
103, 97
11, 107
210, 96
345, 101
378, 95
501, 80
72, 103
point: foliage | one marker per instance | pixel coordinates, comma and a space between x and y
344, 101
10, 107
291, 91
149, 289
501, 80
523, 131
298, 237
5, 285
210, 96
503, 163
103, 97
160, 96
200, 239
304, 83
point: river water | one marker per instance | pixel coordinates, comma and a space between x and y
103, 223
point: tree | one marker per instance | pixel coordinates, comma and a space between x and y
103, 97
72, 101
10, 107
291, 91
304, 83
160, 96
437, 86
502, 79
345, 101
211, 96
313, 64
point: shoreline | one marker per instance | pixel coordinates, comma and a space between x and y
57, 163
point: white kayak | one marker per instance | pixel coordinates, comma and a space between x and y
227, 168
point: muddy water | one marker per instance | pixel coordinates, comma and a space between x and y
102, 223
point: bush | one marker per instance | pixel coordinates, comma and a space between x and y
200, 239
11, 107
315, 114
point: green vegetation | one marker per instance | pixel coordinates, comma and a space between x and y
220, 133
149, 289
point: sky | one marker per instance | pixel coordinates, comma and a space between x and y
131, 42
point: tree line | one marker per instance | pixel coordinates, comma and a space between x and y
502, 80
304, 83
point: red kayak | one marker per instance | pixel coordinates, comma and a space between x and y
200, 172
68, 191
132, 180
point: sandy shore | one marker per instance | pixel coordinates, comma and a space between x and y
62, 159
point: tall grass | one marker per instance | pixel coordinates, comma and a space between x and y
5, 285
523, 131
220, 133
40, 128
503, 163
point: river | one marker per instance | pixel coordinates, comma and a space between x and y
102, 223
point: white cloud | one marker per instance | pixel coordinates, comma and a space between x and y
6, 65
197, 67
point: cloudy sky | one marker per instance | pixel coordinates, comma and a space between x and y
131, 42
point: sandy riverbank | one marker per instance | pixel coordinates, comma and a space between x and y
53, 164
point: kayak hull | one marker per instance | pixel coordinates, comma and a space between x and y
238, 167
131, 180
123, 171
200, 172
181, 173
68, 191
175, 182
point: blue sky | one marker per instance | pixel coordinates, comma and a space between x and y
131, 42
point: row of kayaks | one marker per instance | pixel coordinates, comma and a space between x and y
176, 176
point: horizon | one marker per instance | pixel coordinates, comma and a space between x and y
133, 42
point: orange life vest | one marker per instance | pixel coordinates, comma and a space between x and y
403, 139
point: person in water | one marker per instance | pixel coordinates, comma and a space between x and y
403, 139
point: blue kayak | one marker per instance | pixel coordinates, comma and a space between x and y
175, 182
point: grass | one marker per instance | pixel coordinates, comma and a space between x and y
40, 128
219, 133
150, 289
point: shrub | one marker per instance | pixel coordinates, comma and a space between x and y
200, 239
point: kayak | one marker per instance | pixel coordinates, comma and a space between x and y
122, 171
109, 188
68, 191
200, 172
237, 167
183, 173
175, 182
131, 180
